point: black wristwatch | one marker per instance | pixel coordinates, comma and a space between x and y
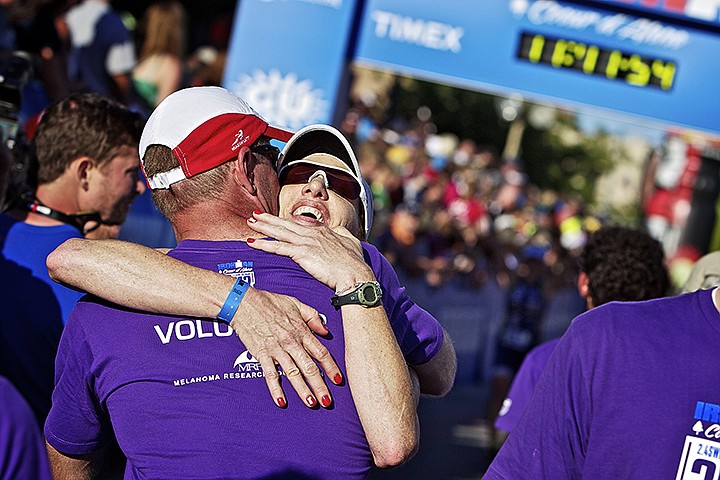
368, 294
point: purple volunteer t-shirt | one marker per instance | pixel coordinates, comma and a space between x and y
523, 385
186, 398
631, 391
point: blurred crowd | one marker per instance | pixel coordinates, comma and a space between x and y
451, 211
85, 45
447, 210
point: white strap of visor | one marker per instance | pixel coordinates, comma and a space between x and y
165, 179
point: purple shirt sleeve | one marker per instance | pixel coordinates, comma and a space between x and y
523, 385
557, 415
419, 334
23, 452
76, 424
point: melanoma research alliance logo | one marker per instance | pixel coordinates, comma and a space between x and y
286, 101
245, 367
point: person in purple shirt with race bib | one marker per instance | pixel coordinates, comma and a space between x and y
630, 391
617, 264
186, 383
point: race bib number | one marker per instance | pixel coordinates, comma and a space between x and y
700, 460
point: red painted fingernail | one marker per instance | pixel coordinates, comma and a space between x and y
250, 240
257, 212
281, 402
337, 379
311, 400
325, 400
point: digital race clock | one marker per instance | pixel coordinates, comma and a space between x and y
591, 59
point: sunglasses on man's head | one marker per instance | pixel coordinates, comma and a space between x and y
268, 151
341, 183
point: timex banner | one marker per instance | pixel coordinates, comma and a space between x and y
698, 10
552, 50
287, 57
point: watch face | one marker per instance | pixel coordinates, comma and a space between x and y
369, 294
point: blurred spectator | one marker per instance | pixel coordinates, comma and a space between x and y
32, 56
402, 242
520, 331
159, 71
569, 219
42, 32
7, 32
510, 192
88, 175
670, 175
357, 125
705, 273
102, 52
206, 66
463, 203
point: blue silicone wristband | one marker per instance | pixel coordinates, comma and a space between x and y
233, 300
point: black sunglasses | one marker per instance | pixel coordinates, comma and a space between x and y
341, 183
267, 150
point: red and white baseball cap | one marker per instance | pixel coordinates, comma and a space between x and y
204, 127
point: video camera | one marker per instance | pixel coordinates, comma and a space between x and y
16, 69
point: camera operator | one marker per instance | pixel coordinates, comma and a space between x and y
85, 148
15, 71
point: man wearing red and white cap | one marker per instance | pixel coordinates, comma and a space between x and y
321, 184
189, 381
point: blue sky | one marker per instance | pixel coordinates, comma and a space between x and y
621, 125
